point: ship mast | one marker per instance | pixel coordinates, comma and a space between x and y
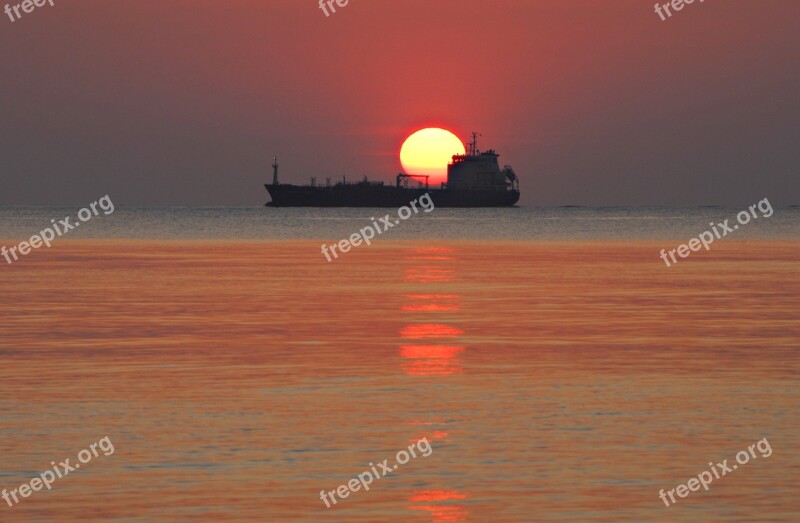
473, 145
274, 170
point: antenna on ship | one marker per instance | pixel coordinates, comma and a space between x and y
473, 145
274, 170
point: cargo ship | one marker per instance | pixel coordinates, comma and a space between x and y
474, 179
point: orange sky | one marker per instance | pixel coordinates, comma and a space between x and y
591, 102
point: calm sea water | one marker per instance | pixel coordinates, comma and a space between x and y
514, 224
558, 369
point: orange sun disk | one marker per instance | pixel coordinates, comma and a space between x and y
428, 151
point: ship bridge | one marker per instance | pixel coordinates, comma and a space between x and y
479, 170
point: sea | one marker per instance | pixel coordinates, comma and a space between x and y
557, 368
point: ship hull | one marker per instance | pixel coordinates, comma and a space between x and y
358, 195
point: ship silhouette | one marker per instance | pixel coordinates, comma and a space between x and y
474, 179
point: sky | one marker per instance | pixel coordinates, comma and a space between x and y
592, 102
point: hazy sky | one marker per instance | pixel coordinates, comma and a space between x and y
594, 102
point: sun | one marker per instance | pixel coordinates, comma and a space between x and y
428, 151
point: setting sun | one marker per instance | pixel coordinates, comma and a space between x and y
428, 151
